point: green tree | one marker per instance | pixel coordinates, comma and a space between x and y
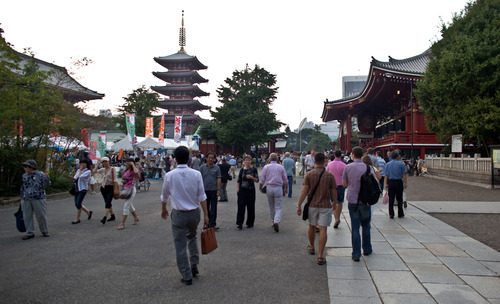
245, 117
142, 102
31, 110
319, 141
208, 130
460, 90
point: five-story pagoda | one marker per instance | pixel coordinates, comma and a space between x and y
180, 88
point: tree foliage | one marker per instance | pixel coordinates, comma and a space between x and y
460, 89
142, 102
245, 117
31, 108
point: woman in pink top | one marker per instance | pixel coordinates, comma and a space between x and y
128, 179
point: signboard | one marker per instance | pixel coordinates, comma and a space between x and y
456, 143
496, 158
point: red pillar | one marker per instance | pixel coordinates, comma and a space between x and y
349, 134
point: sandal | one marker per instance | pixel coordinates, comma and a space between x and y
136, 221
311, 250
121, 227
321, 261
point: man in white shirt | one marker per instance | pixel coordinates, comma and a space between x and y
184, 187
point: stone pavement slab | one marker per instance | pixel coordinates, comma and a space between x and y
457, 207
415, 259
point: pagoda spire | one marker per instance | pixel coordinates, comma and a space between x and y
182, 35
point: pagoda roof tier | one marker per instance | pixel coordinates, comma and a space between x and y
184, 117
180, 57
190, 103
192, 76
191, 90
387, 89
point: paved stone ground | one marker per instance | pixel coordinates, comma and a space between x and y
416, 259
482, 227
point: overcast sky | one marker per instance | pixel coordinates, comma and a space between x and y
308, 45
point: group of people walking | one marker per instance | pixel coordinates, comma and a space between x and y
187, 189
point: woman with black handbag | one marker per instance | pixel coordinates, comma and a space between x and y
129, 175
82, 178
247, 178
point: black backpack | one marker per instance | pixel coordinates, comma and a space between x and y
370, 188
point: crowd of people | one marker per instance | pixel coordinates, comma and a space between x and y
194, 180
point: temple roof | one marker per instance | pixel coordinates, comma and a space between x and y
178, 57
414, 65
193, 75
191, 90
384, 79
72, 90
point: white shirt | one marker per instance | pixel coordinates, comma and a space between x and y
83, 179
185, 188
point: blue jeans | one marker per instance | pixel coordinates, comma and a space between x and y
79, 196
359, 218
290, 183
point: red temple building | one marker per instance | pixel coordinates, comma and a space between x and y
387, 111
180, 87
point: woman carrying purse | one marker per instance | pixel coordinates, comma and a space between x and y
128, 179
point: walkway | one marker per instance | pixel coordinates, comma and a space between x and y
416, 259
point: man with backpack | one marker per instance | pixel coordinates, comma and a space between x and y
359, 211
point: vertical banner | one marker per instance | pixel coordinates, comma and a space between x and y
101, 144
92, 149
130, 120
177, 129
85, 137
162, 130
149, 127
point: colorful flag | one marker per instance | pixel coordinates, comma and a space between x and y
149, 127
162, 130
130, 120
101, 144
85, 137
92, 149
177, 129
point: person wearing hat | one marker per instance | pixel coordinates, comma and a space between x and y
33, 198
109, 177
82, 177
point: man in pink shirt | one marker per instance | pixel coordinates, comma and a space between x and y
336, 167
274, 176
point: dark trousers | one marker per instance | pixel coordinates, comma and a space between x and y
246, 199
107, 195
395, 191
212, 206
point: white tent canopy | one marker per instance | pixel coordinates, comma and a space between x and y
122, 144
149, 143
152, 143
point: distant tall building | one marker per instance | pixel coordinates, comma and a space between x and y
180, 88
352, 85
330, 128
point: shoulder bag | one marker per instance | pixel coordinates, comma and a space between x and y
305, 213
74, 188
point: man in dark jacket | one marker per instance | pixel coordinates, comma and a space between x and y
224, 172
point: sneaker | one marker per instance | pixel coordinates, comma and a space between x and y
111, 218
92, 193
